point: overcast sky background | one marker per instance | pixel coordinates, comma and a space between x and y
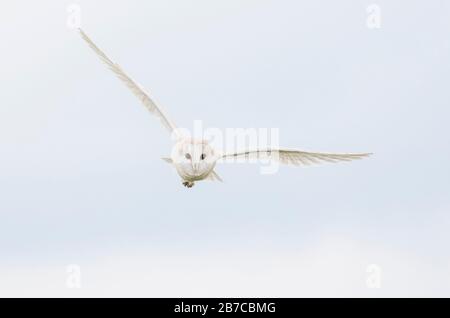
82, 182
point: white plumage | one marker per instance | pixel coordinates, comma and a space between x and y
295, 157
132, 85
195, 160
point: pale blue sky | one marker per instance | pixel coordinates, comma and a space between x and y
82, 181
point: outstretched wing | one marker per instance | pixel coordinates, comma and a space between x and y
132, 85
295, 157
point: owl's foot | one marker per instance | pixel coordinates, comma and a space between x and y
188, 184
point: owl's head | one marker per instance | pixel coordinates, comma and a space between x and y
195, 158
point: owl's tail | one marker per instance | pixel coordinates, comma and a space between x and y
213, 176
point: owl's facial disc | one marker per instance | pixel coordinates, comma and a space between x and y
194, 159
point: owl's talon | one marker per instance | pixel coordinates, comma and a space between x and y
188, 184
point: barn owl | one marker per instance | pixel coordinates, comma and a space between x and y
195, 159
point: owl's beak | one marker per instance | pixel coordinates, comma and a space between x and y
195, 166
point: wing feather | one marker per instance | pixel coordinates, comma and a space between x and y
132, 85
296, 157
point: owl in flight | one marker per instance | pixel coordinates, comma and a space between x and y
195, 159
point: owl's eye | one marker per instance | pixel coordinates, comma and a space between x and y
203, 156
188, 156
